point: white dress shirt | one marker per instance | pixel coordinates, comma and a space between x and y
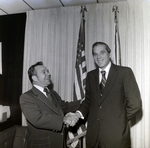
40, 89
106, 70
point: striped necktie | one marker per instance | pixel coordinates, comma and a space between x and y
103, 82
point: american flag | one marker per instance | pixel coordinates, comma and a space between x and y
80, 66
80, 78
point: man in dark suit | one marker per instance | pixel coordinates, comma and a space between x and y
44, 111
112, 100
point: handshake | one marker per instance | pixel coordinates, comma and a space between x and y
71, 119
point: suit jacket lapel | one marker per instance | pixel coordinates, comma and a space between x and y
57, 103
44, 99
110, 81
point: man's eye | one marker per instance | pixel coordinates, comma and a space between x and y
102, 52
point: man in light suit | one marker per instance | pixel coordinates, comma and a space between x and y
111, 107
44, 111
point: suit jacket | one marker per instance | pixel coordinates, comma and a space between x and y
109, 115
45, 120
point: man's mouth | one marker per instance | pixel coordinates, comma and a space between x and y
100, 60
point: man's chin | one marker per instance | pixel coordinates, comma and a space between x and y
100, 65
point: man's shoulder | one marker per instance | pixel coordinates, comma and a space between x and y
26, 96
93, 71
28, 92
124, 68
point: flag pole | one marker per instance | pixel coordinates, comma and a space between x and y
117, 36
83, 9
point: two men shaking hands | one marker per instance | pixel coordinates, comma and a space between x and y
71, 119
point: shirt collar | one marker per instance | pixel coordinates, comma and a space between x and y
39, 87
107, 68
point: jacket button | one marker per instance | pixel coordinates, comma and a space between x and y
100, 107
97, 119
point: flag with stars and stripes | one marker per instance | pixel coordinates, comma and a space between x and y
80, 66
80, 80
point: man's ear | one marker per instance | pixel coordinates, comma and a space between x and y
34, 78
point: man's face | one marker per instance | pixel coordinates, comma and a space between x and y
101, 56
42, 77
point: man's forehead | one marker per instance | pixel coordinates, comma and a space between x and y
40, 68
99, 48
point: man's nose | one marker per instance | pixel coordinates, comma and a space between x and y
48, 74
99, 55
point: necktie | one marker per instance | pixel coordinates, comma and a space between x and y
103, 82
49, 95
52, 100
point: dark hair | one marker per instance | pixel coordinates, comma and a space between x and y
31, 70
101, 43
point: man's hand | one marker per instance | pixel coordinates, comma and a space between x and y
71, 119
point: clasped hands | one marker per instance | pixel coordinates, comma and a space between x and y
71, 119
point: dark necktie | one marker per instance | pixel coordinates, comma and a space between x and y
49, 95
50, 98
103, 82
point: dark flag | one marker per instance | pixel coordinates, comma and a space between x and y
80, 80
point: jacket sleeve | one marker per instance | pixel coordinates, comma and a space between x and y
132, 95
67, 106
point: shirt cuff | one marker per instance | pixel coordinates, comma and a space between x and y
81, 116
